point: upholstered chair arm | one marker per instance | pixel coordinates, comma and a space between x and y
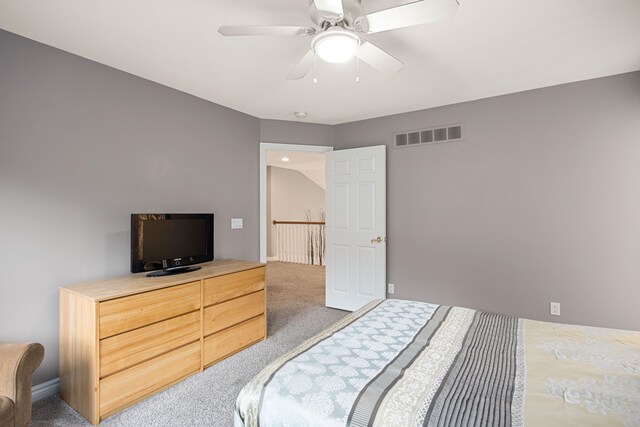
7, 412
17, 364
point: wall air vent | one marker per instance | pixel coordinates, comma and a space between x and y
440, 135
428, 136
414, 138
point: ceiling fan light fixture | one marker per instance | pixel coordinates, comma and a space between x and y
335, 45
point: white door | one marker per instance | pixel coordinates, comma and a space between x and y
356, 226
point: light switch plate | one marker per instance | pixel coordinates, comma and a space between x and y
236, 223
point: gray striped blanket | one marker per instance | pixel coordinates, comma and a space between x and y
407, 363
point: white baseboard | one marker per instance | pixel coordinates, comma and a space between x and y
43, 390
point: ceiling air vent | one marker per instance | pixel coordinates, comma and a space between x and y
428, 136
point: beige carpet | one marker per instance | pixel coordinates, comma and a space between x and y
296, 311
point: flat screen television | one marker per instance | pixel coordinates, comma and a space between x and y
166, 244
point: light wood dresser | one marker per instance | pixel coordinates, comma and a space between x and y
124, 339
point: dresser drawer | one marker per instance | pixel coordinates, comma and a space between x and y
127, 313
128, 386
233, 339
220, 316
130, 348
223, 288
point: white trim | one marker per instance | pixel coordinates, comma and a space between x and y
264, 147
45, 389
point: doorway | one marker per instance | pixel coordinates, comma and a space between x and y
296, 207
301, 160
292, 181
355, 238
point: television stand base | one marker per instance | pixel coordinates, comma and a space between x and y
173, 270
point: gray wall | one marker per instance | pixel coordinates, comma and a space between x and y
283, 132
289, 195
82, 146
539, 203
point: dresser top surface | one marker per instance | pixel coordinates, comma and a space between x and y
103, 290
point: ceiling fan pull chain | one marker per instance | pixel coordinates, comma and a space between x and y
358, 63
315, 67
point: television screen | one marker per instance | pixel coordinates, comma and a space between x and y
170, 241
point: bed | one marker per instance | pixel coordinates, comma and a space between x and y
408, 363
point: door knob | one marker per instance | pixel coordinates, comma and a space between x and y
379, 239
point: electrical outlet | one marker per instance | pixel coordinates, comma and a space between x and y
555, 309
391, 288
236, 223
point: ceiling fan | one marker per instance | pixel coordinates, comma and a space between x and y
339, 31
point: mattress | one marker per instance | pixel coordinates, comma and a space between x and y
408, 363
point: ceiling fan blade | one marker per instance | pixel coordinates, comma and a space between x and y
378, 58
419, 12
302, 67
330, 8
265, 30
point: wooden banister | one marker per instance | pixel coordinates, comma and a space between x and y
299, 222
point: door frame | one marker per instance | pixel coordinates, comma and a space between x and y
264, 147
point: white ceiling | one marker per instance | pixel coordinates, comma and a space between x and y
491, 47
297, 159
